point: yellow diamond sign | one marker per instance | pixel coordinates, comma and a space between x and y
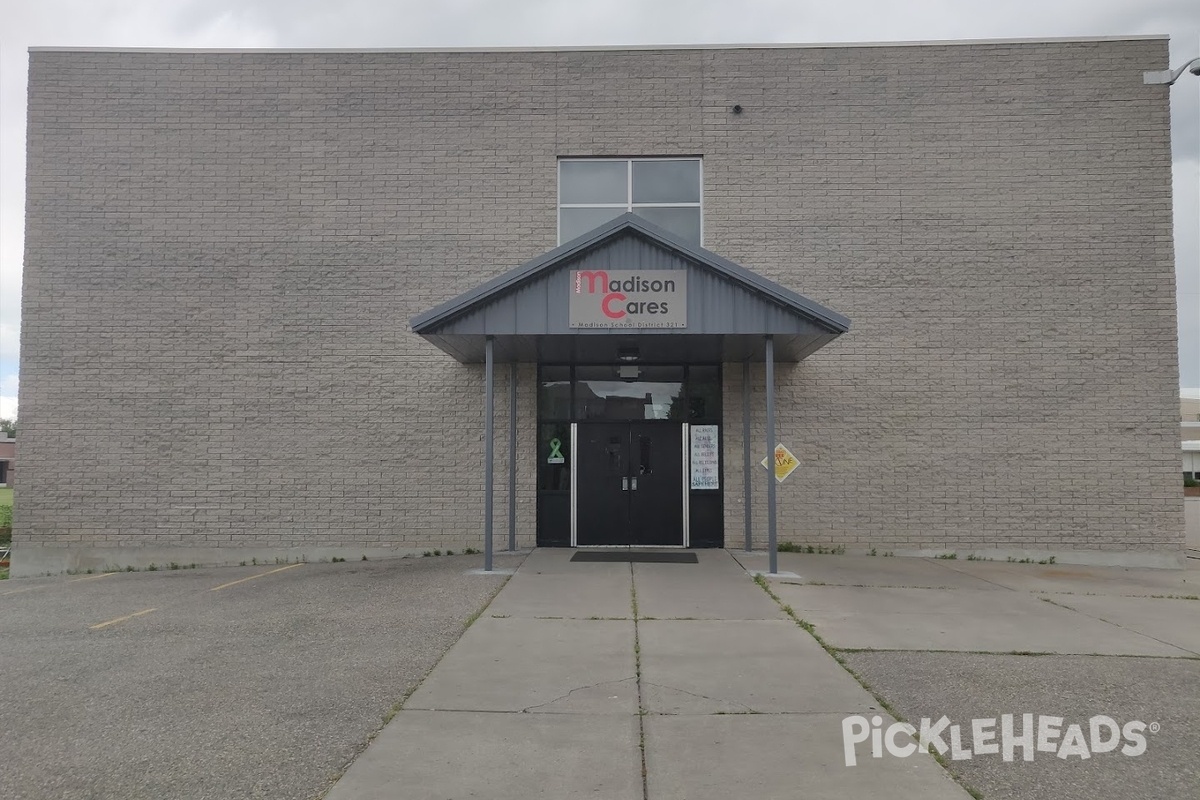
785, 463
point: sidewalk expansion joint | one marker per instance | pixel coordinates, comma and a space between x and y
637, 666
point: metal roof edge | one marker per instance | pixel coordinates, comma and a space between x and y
613, 47
455, 305
742, 275
835, 322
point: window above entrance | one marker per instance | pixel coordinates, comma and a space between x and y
650, 392
646, 393
665, 191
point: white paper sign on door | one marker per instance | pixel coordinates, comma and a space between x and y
706, 461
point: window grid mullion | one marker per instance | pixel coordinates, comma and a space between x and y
629, 186
629, 206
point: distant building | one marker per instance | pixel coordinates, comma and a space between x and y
1189, 433
8, 459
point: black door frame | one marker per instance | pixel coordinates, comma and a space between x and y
631, 537
556, 481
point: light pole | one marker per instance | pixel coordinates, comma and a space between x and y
1168, 76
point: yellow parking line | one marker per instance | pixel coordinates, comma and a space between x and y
26, 589
121, 619
48, 585
252, 577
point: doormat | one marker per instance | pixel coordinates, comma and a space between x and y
635, 557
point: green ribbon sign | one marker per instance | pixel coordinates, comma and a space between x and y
556, 456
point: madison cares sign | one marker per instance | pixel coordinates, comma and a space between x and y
628, 299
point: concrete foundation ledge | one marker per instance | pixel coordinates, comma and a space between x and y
1151, 559
1089, 558
34, 560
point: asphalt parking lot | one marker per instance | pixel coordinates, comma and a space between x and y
247, 682
1164, 693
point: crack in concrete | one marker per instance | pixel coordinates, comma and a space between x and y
573, 691
1125, 628
749, 709
1119, 626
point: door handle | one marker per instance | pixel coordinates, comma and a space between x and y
635, 484
625, 485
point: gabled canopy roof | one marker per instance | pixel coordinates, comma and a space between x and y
729, 308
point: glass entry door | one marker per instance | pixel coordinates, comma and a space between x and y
629, 484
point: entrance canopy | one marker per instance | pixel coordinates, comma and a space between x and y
629, 290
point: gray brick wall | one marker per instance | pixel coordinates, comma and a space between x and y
223, 251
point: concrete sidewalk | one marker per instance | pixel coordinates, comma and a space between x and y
865, 603
629, 682
975, 640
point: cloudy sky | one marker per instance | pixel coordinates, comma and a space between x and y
479, 23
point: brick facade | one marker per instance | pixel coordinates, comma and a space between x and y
223, 251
